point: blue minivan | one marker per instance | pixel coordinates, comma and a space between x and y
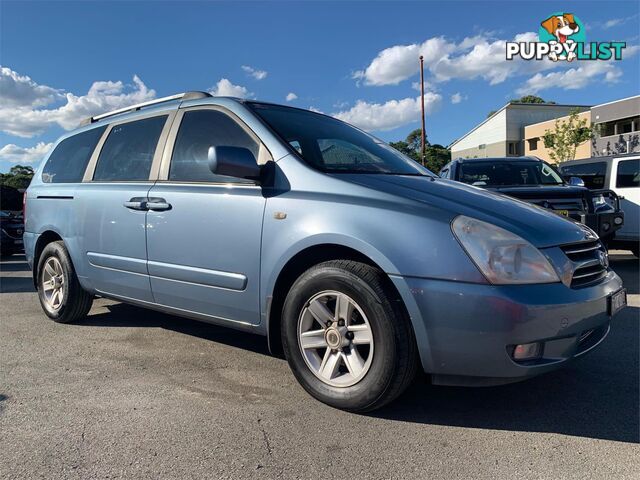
357, 263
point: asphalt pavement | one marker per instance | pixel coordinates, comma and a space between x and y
131, 393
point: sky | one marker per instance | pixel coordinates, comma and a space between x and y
64, 61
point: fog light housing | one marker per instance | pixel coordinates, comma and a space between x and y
617, 220
606, 226
527, 351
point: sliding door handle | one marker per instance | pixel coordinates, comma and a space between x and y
137, 203
158, 204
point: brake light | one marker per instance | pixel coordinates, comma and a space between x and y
24, 209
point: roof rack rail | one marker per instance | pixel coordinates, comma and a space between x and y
180, 96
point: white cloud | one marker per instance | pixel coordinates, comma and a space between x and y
573, 78
613, 22
479, 56
24, 155
616, 22
291, 97
224, 88
388, 115
314, 109
20, 91
395, 64
257, 74
27, 121
457, 98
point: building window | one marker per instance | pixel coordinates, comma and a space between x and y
533, 143
512, 148
482, 146
625, 127
618, 127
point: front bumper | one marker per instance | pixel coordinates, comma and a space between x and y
466, 332
604, 224
10, 244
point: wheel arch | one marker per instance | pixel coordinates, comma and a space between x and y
44, 239
298, 264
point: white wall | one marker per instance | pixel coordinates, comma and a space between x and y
492, 131
520, 115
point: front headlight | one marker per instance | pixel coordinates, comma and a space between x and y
502, 257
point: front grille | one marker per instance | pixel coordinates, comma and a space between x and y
590, 262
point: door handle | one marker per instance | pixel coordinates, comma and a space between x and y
137, 203
158, 204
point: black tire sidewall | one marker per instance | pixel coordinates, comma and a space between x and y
55, 249
368, 390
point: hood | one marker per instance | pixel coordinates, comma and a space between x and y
536, 225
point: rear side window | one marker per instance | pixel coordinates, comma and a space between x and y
128, 152
592, 174
199, 130
69, 160
628, 174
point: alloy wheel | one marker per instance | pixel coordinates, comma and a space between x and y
53, 285
335, 339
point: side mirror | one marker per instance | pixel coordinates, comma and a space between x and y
576, 182
236, 162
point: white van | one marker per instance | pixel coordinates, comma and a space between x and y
620, 173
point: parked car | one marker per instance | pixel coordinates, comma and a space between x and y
11, 224
620, 173
535, 181
354, 260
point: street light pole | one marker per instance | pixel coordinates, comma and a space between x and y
423, 136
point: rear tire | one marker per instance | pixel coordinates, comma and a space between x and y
62, 298
357, 363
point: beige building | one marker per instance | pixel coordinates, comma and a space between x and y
534, 141
502, 134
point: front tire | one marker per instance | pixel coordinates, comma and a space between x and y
62, 298
347, 337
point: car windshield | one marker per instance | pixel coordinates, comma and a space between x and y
333, 146
508, 174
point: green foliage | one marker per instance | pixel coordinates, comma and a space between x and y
531, 99
19, 177
564, 139
436, 156
526, 99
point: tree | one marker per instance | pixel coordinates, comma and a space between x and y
566, 136
19, 177
526, 99
531, 99
436, 156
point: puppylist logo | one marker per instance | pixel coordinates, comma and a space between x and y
562, 37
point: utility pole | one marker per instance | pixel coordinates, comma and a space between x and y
424, 136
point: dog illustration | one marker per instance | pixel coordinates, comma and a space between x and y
561, 27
